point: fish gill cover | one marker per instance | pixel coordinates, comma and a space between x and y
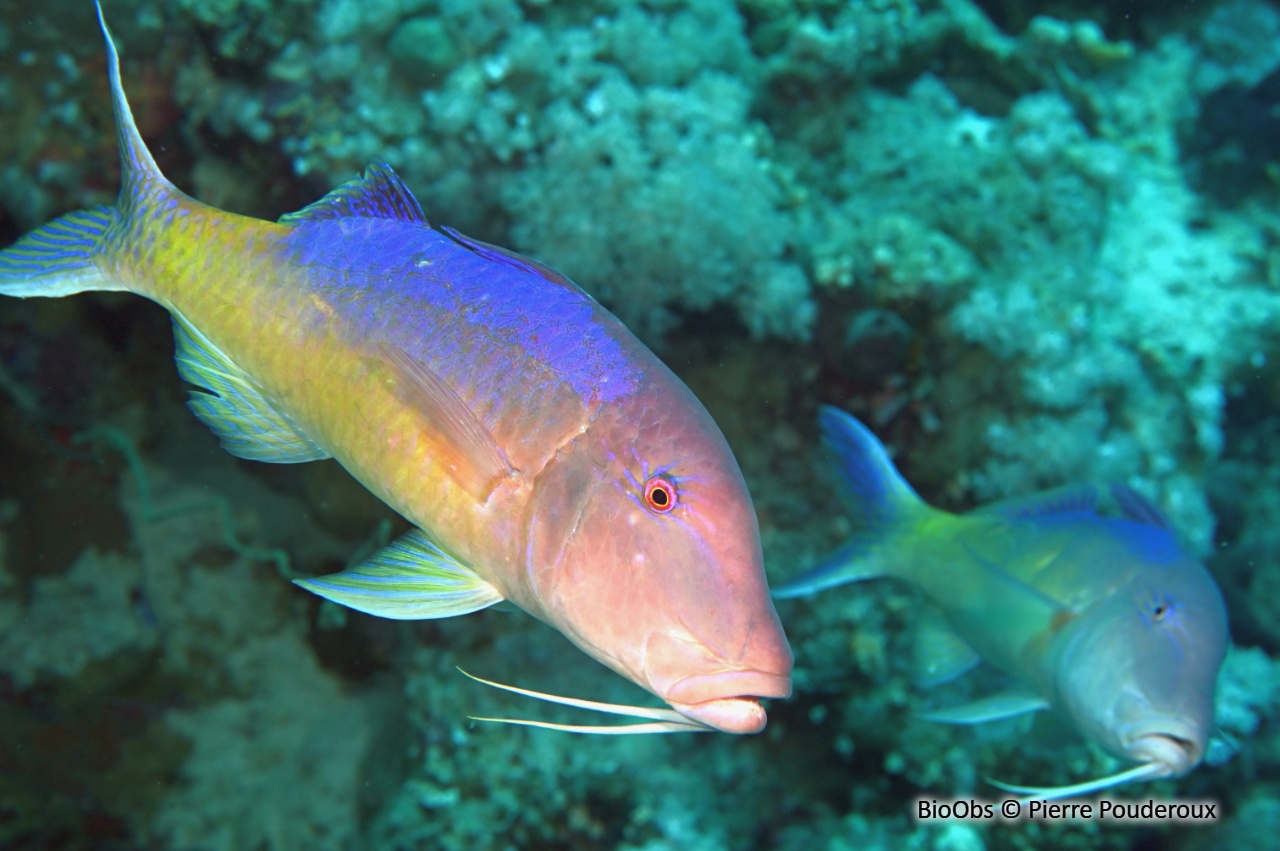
1030, 244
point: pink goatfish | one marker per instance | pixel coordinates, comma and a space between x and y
1105, 619
546, 457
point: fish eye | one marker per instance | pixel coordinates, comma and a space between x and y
1161, 609
660, 494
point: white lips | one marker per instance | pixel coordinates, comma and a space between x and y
1175, 752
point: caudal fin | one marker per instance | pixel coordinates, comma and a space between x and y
140, 178
880, 502
65, 256
58, 259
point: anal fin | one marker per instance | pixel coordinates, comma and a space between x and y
939, 654
410, 579
236, 410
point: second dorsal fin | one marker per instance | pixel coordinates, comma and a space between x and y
378, 193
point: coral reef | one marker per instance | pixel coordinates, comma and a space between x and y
1030, 243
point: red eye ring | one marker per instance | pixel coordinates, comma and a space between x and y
659, 494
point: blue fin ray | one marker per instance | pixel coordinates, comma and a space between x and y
60, 258
377, 193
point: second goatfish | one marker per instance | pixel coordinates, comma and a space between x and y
546, 457
1107, 620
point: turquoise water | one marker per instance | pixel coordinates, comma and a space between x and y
1030, 244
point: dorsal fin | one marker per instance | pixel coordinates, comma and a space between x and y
507, 257
1073, 499
377, 193
139, 174
1138, 508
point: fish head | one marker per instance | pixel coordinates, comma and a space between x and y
1137, 671
645, 552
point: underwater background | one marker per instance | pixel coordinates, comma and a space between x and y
1029, 243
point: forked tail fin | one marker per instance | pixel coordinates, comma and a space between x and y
140, 178
58, 259
881, 504
64, 256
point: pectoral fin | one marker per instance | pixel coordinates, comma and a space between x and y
410, 579
473, 457
1004, 705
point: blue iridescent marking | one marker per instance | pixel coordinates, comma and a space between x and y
449, 307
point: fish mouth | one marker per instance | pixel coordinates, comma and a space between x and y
1178, 754
728, 701
1159, 752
